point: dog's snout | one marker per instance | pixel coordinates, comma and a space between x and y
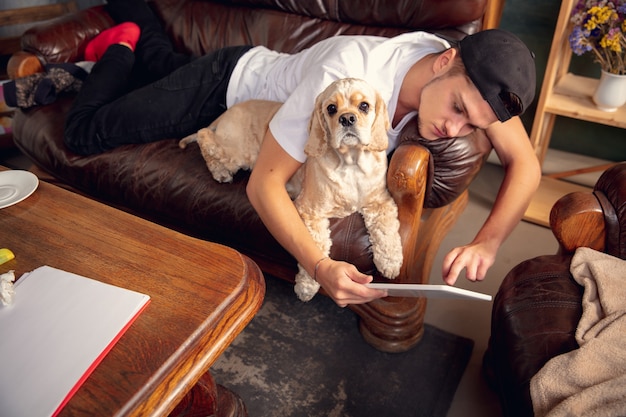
347, 119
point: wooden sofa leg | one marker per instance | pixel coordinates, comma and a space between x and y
392, 324
396, 324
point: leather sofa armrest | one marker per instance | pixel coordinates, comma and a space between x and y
22, 64
60, 40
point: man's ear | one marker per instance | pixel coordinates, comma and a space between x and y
444, 60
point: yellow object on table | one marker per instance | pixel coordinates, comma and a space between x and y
5, 255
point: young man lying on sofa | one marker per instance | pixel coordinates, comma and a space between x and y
484, 83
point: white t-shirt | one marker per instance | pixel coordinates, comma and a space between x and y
297, 79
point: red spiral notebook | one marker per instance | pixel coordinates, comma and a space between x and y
58, 329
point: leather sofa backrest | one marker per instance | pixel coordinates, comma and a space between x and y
453, 163
399, 13
198, 26
290, 26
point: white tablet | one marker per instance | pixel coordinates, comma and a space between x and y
427, 290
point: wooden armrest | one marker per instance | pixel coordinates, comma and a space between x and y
493, 14
406, 180
577, 220
22, 64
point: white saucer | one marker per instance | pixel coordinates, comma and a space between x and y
15, 186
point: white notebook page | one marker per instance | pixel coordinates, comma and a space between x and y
57, 330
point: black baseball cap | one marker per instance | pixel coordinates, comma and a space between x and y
499, 63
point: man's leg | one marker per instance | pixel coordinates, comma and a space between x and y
108, 80
181, 103
155, 55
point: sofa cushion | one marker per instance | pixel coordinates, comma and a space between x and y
146, 179
453, 163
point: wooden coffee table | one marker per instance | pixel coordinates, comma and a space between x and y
202, 296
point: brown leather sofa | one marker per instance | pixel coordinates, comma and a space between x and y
538, 305
171, 186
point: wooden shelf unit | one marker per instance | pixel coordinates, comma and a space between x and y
567, 95
572, 98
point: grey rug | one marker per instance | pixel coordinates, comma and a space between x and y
308, 359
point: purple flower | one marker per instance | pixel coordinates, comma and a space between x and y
599, 27
578, 41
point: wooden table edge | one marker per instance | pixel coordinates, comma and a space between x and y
236, 312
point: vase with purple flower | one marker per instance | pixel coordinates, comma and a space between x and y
599, 28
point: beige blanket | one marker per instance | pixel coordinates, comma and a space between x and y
591, 380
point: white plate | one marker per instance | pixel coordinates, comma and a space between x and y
15, 186
427, 290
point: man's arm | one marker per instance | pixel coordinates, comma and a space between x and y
521, 179
267, 193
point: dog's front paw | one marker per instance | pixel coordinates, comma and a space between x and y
388, 260
306, 287
389, 268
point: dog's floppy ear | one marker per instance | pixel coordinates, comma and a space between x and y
380, 141
318, 131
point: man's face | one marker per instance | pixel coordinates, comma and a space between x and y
451, 106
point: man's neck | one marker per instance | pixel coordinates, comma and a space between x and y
415, 79
401, 111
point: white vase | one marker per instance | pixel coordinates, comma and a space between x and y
611, 92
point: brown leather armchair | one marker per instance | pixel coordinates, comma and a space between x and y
538, 305
171, 186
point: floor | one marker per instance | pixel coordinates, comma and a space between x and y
472, 318
468, 318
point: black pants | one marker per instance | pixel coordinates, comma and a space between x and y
113, 108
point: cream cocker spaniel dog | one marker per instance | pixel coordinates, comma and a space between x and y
345, 171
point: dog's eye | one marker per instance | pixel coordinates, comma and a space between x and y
331, 109
364, 107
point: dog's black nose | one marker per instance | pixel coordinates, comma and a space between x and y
347, 119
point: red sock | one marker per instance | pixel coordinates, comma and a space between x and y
127, 32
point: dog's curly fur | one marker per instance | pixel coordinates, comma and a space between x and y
345, 171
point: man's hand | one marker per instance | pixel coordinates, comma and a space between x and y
345, 284
475, 258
